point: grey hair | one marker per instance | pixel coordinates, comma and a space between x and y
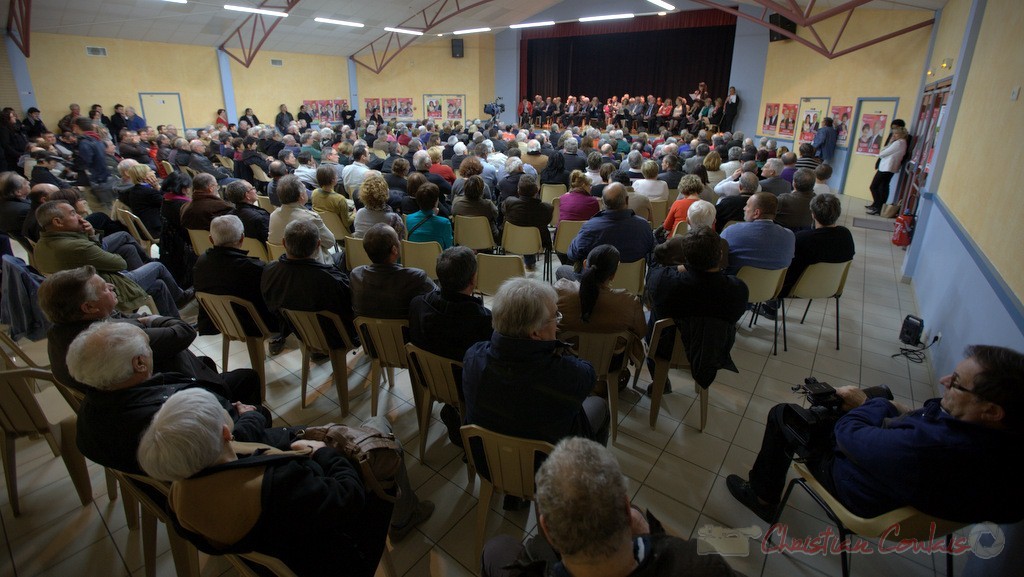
421, 160
763, 142
533, 145
735, 153
738, 135
184, 436
748, 183
581, 492
226, 230
124, 165
771, 144
775, 165
513, 164
521, 306
101, 356
571, 146
635, 159
459, 148
701, 214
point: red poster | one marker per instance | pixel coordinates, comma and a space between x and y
809, 126
404, 108
371, 105
787, 122
454, 109
434, 108
872, 133
841, 118
771, 118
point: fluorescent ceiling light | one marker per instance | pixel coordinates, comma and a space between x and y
404, 31
533, 24
177, 1
471, 31
607, 17
662, 4
339, 22
256, 10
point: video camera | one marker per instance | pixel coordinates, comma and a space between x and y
494, 108
811, 427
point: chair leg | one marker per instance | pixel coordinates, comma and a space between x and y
149, 542
612, 386
837, 323
483, 507
375, 376
74, 461
386, 564
186, 557
10, 471
53, 442
339, 363
304, 373
657, 389
809, 301
391, 377
782, 308
111, 485
775, 341
703, 408
225, 344
423, 413
131, 508
258, 359
844, 555
949, 555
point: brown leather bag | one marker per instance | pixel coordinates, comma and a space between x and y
376, 454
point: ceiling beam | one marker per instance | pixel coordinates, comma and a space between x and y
254, 31
19, 19
382, 50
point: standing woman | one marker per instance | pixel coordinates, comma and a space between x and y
222, 119
250, 118
175, 247
889, 160
732, 107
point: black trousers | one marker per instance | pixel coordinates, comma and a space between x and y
880, 188
768, 477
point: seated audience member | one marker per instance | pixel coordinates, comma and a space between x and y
731, 208
730, 185
789, 166
508, 186
226, 269
448, 320
880, 455
14, 203
425, 225
693, 162
606, 171
758, 241
587, 527
325, 199
398, 178
300, 282
554, 172
67, 241
633, 165
821, 175
670, 171
293, 207
251, 157
472, 203
713, 164
385, 288
701, 215
206, 204
421, 162
593, 172
690, 188
438, 168
649, 185
39, 194
794, 210
255, 220
175, 245
278, 170
42, 172
376, 210
145, 199
534, 156
199, 162
75, 299
807, 159
578, 204
528, 210
772, 180
469, 168
734, 163
708, 193
615, 225
306, 170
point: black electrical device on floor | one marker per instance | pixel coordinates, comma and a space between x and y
911, 331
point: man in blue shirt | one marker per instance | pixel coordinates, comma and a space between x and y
825, 142
758, 241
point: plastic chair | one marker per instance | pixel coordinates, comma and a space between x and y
355, 254
556, 203
728, 224
275, 251
255, 248
676, 360
258, 174
200, 240
630, 276
136, 228
168, 167
566, 231
421, 255
185, 555
24, 413
549, 192
511, 462
190, 171
913, 524
333, 222
524, 240
436, 377
12, 354
384, 342
599, 350
765, 285
659, 210
312, 339
264, 202
474, 232
821, 281
494, 269
221, 309
681, 228
226, 162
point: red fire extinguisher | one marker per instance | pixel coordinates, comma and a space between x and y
903, 230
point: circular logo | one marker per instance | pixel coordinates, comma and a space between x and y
981, 550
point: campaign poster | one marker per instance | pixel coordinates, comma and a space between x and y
433, 106
389, 108
371, 105
771, 118
404, 109
454, 110
809, 125
787, 120
872, 133
322, 114
841, 118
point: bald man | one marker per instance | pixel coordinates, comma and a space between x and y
616, 225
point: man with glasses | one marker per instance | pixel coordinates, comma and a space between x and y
953, 459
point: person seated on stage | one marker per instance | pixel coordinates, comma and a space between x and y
589, 528
880, 456
325, 199
385, 288
294, 197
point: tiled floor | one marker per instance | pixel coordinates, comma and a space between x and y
676, 471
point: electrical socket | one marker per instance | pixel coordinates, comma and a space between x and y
938, 336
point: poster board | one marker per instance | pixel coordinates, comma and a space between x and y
441, 107
455, 107
326, 112
813, 110
769, 119
842, 119
369, 105
787, 121
861, 166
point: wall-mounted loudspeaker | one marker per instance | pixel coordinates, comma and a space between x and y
782, 22
457, 48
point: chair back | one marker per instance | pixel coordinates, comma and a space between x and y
510, 460
200, 240
762, 284
226, 162
494, 269
311, 332
255, 249
677, 359
436, 374
11, 354
384, 340
630, 276
221, 309
20, 413
567, 230
681, 228
598, 348
275, 251
555, 204
136, 228
730, 223
190, 171
659, 210
521, 239
168, 167
355, 254
334, 224
264, 202
258, 174
421, 255
474, 232
821, 280
549, 192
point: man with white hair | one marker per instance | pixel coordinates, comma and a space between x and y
534, 156
294, 197
772, 180
458, 154
422, 163
574, 159
200, 163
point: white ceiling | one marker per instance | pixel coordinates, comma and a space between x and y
206, 23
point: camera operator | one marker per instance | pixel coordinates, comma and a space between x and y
956, 458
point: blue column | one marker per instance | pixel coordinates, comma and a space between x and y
353, 89
22, 80
227, 85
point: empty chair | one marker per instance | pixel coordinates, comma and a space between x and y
255, 249
435, 375
494, 269
599, 350
421, 255
264, 202
137, 229
23, 413
549, 192
566, 231
200, 240
765, 285
659, 210
474, 232
334, 224
523, 240
226, 162
820, 281
355, 254
630, 276
384, 342
222, 311
308, 325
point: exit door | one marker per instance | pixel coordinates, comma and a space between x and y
162, 108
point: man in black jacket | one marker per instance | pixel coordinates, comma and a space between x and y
255, 220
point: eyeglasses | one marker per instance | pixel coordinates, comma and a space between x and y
558, 317
954, 383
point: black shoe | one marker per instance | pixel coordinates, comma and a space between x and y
767, 311
872, 205
513, 503
624, 378
668, 387
276, 346
317, 357
186, 297
453, 422
744, 493
872, 211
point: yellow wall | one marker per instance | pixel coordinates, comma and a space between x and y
62, 73
263, 87
980, 184
427, 67
949, 37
